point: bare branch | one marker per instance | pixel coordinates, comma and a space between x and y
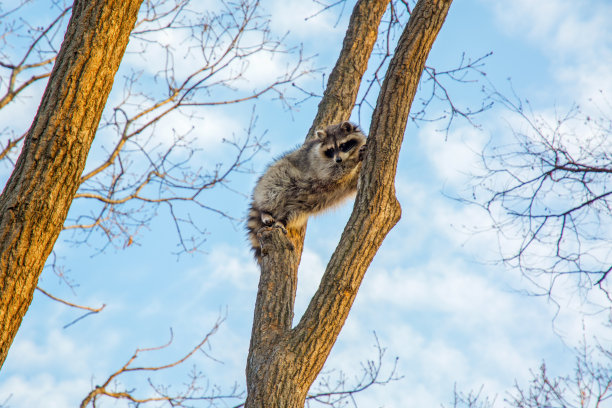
32, 60
547, 191
193, 390
336, 392
589, 386
438, 88
91, 309
10, 144
440, 91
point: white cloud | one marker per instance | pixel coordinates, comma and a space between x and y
448, 322
577, 40
291, 16
441, 287
232, 267
66, 383
31, 355
207, 127
456, 156
264, 69
557, 25
43, 390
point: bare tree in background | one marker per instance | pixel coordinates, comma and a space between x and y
547, 187
135, 169
548, 190
588, 386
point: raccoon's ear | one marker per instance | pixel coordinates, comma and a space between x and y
320, 134
347, 126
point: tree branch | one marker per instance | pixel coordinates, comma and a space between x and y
376, 208
91, 309
193, 391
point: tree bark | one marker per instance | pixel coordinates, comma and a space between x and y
37, 196
345, 79
284, 362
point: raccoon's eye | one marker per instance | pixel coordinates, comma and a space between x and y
329, 153
346, 146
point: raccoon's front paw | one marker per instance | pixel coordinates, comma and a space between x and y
362, 152
280, 225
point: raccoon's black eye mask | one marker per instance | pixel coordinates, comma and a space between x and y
346, 146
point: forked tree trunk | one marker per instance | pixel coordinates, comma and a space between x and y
37, 196
283, 361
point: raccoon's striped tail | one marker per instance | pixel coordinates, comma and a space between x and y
253, 225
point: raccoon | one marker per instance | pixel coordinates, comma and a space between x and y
318, 175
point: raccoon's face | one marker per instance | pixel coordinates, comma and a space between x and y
340, 144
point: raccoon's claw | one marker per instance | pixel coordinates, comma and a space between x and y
280, 226
268, 221
362, 152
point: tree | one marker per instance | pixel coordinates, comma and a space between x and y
547, 192
588, 386
284, 361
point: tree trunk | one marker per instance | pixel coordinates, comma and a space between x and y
283, 361
37, 196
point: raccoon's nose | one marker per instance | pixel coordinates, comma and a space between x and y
338, 159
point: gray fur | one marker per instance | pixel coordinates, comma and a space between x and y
310, 179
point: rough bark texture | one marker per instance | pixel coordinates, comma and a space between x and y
344, 81
36, 198
283, 362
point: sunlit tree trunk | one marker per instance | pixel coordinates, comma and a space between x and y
283, 361
36, 198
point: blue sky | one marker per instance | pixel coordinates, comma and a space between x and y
432, 295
